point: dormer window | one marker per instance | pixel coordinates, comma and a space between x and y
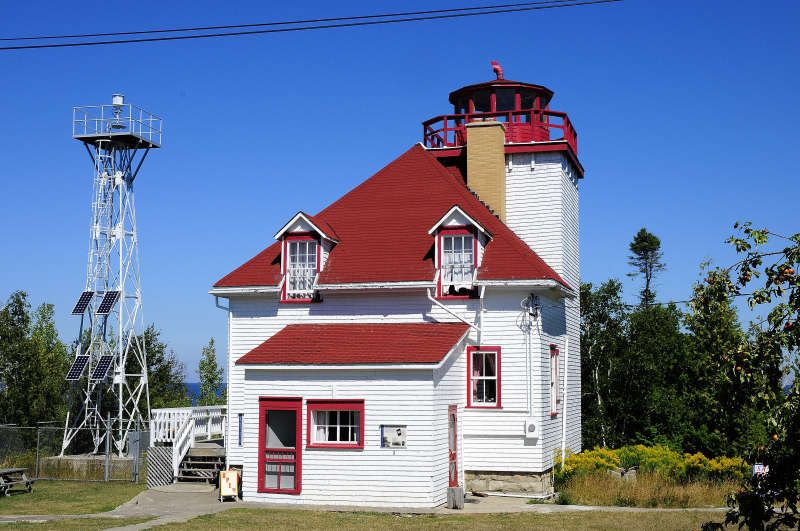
304, 251
460, 241
301, 267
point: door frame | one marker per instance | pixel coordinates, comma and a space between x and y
295, 404
452, 453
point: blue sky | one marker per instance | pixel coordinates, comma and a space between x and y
687, 114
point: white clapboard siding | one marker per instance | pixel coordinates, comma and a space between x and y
373, 476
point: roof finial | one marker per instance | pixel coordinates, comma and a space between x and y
497, 69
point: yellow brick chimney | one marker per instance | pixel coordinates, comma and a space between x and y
486, 164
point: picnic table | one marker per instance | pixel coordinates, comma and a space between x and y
14, 476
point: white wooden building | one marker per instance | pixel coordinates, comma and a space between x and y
421, 333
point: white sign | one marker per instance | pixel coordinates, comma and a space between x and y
229, 483
759, 469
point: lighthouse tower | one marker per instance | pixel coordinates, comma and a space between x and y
520, 158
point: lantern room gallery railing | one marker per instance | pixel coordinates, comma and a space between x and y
530, 125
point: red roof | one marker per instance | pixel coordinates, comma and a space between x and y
382, 226
357, 344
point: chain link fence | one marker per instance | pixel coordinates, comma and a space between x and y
39, 450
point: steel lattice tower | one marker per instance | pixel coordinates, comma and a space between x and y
111, 357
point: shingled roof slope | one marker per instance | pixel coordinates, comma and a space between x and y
357, 344
383, 224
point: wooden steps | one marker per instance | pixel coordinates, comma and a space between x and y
203, 463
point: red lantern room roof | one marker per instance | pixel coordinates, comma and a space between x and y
544, 92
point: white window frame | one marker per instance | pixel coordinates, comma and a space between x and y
321, 425
457, 268
301, 275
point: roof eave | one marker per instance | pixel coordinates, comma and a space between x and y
535, 284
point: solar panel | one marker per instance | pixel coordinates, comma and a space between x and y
77, 368
109, 299
101, 368
83, 303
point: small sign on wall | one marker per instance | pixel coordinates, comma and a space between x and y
393, 436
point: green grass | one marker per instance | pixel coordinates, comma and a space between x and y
69, 497
279, 520
78, 524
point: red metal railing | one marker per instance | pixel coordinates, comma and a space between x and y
531, 125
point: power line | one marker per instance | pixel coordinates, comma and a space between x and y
484, 11
309, 21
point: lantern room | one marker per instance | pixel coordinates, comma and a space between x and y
524, 108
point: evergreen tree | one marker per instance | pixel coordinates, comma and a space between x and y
166, 374
717, 426
645, 258
212, 389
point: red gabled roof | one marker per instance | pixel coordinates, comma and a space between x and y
357, 344
382, 226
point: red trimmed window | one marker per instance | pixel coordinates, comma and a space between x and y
553, 380
335, 424
280, 436
301, 266
458, 258
483, 377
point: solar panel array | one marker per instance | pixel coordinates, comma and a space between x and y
101, 369
77, 368
83, 303
107, 303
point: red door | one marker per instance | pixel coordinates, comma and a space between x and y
452, 432
279, 463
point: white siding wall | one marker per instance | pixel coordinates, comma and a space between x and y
449, 389
542, 208
254, 320
373, 476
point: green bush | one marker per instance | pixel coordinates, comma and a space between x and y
658, 460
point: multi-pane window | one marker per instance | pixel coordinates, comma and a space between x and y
301, 269
458, 263
553, 380
337, 427
484, 376
336, 423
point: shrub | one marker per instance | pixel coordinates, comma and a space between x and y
656, 460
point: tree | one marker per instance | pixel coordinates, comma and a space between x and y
212, 389
166, 374
646, 259
632, 371
756, 372
603, 339
33, 364
714, 335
